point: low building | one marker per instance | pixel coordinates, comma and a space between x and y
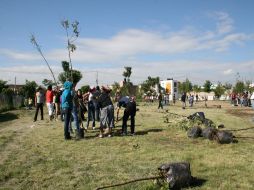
15, 87
170, 87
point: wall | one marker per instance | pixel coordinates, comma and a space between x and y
8, 102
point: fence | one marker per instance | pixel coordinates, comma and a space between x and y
8, 102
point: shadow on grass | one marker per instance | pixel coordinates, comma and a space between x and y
7, 117
197, 182
145, 132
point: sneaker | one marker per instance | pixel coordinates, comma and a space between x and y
132, 134
68, 138
100, 136
93, 128
109, 135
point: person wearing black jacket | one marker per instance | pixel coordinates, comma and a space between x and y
107, 111
130, 110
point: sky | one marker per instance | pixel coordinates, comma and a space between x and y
195, 39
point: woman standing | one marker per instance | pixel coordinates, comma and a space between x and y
39, 99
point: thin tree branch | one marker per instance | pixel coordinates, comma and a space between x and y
132, 181
34, 42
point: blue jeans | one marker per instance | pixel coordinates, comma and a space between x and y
97, 111
75, 117
67, 118
91, 114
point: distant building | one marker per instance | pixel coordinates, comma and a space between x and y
16, 88
170, 87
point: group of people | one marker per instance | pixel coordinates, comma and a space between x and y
184, 98
72, 106
190, 98
243, 99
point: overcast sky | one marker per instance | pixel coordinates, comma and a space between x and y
195, 39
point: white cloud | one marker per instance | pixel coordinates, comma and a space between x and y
225, 23
125, 47
133, 42
19, 55
228, 72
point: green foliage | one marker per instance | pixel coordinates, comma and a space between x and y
29, 89
66, 75
76, 75
219, 90
47, 82
66, 66
227, 86
125, 89
85, 88
8, 91
149, 83
3, 85
207, 86
248, 87
115, 87
71, 37
196, 88
127, 74
239, 87
185, 86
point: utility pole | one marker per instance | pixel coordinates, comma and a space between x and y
15, 84
97, 78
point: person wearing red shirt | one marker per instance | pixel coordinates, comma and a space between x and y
49, 102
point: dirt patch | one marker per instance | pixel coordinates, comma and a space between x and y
241, 112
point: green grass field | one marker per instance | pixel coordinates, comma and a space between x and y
36, 156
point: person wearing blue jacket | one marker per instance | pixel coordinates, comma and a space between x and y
67, 105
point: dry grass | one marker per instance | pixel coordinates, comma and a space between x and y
35, 156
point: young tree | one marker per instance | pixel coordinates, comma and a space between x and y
149, 83
127, 74
34, 42
227, 86
219, 90
207, 86
239, 87
76, 76
63, 76
115, 87
185, 86
71, 37
248, 86
29, 89
196, 88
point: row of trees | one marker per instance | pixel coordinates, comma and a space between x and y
147, 87
220, 88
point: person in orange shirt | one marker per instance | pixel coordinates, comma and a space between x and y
49, 102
